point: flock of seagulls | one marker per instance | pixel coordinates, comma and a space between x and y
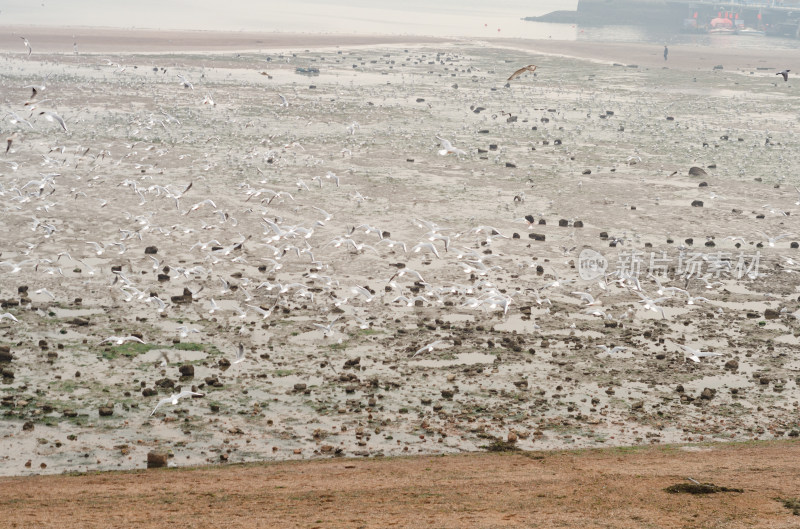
238, 227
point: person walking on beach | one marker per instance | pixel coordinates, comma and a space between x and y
666, 52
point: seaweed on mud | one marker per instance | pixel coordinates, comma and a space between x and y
498, 445
698, 488
793, 504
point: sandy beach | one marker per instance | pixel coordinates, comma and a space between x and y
605, 257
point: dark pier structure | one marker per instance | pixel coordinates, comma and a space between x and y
780, 18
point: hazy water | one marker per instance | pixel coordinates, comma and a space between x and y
474, 18
469, 18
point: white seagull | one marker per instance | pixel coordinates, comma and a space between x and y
694, 355
447, 148
173, 399
428, 348
119, 340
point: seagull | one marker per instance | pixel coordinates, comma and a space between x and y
363, 291
239, 354
30, 50
588, 298
772, 240
530, 68
447, 148
327, 330
611, 351
184, 331
35, 89
264, 313
426, 246
53, 117
185, 82
158, 302
119, 340
214, 307
8, 316
404, 271
694, 355
650, 304
428, 348
173, 399
784, 73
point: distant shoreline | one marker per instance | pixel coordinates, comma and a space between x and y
112, 40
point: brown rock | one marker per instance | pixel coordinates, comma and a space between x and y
771, 314
186, 370
156, 459
708, 394
5, 354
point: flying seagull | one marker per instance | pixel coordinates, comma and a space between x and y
173, 399
28, 45
447, 148
694, 355
119, 340
428, 348
785, 74
50, 116
239, 354
530, 68
185, 82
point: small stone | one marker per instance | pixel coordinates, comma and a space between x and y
732, 365
697, 171
771, 314
151, 250
27, 427
186, 370
536, 236
708, 394
106, 411
697, 203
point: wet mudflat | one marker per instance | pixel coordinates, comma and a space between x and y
201, 201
